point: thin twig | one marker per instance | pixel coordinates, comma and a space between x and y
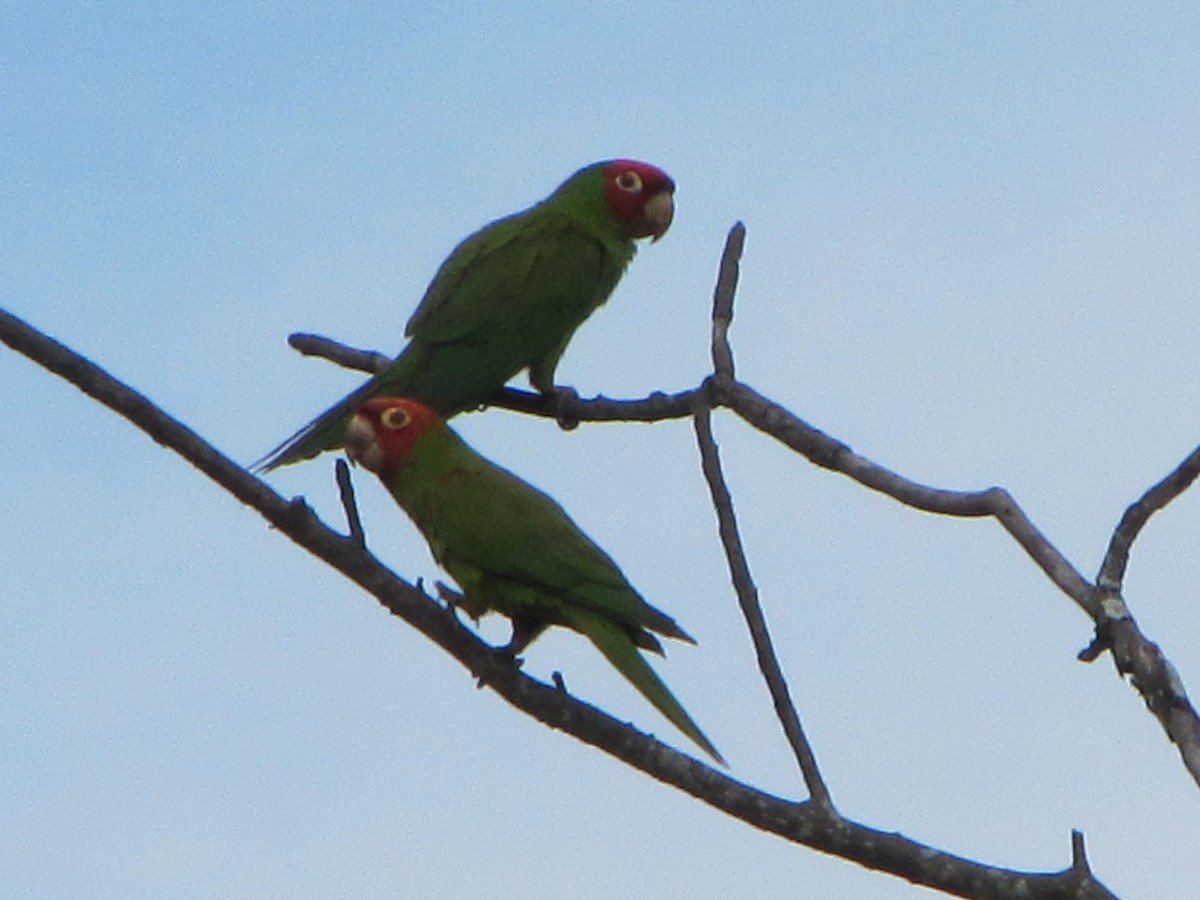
1078, 851
775, 420
1112, 570
655, 407
723, 294
369, 361
1155, 679
825, 451
747, 594
830, 453
346, 492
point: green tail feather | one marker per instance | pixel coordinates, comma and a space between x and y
447, 378
326, 432
611, 640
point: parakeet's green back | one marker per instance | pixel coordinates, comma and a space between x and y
508, 297
483, 522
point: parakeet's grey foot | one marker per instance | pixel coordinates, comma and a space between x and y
563, 399
524, 630
449, 595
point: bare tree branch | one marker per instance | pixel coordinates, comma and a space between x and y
773, 419
747, 594
1133, 654
655, 407
735, 554
369, 361
824, 451
1159, 684
346, 493
1112, 570
723, 294
803, 823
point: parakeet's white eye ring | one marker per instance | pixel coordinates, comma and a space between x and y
395, 418
629, 181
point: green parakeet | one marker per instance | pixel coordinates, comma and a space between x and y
509, 297
511, 548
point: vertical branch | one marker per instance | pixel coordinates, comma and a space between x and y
747, 594
346, 491
722, 312
735, 555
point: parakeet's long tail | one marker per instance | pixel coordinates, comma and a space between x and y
611, 640
326, 432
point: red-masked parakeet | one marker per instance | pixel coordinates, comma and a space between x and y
511, 548
510, 296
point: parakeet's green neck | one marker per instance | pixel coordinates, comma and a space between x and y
435, 454
582, 198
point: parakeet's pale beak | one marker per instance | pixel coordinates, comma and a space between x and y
361, 445
656, 217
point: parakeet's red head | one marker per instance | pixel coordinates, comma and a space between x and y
641, 197
383, 431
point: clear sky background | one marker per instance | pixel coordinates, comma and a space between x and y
973, 254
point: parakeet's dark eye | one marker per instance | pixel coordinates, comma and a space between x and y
395, 418
630, 181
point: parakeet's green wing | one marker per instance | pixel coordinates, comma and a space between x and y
502, 302
494, 521
494, 273
508, 297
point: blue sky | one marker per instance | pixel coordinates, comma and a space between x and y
972, 255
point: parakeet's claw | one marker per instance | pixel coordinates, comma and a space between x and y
514, 646
449, 595
523, 633
456, 600
563, 398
